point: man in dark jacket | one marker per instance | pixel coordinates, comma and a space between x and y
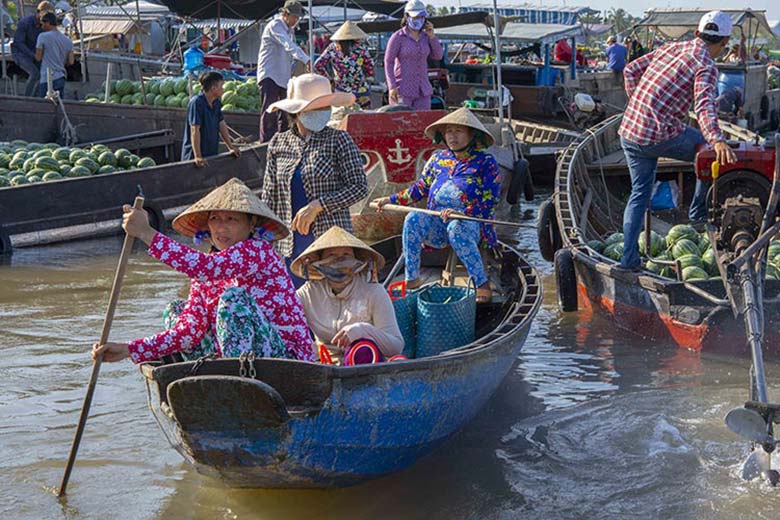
23, 47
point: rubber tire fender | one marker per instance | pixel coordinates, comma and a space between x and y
528, 190
547, 233
156, 217
517, 182
6, 248
565, 280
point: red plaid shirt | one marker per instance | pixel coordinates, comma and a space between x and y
661, 86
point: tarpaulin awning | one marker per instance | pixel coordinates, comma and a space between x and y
148, 10
439, 22
93, 26
674, 23
224, 23
257, 9
563, 15
513, 32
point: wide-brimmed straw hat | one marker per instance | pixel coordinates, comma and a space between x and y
464, 117
234, 195
334, 237
311, 92
349, 30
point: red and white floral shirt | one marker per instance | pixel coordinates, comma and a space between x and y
251, 264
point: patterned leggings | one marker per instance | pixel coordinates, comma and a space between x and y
421, 229
241, 327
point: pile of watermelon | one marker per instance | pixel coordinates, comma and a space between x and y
173, 93
685, 244
25, 163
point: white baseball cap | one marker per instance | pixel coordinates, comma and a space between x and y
415, 8
721, 21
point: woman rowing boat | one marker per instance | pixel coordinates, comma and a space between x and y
461, 178
241, 298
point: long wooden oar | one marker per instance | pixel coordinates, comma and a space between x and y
454, 216
127, 247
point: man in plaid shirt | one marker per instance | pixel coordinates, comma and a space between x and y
661, 87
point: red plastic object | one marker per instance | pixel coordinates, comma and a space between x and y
362, 349
218, 61
398, 357
750, 156
397, 290
325, 357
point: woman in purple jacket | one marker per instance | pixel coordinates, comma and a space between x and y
406, 58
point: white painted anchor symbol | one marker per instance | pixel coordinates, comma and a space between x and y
401, 155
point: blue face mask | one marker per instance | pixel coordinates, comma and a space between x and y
416, 24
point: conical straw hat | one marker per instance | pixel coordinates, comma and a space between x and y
234, 195
462, 116
349, 30
335, 237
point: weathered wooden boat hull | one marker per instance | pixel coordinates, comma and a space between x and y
646, 304
346, 424
39, 120
72, 208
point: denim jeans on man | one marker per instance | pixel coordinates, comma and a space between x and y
642, 162
33, 74
57, 84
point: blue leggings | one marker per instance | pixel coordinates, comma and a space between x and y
421, 229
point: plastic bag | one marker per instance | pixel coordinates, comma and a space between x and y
664, 195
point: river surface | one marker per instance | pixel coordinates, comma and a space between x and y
593, 422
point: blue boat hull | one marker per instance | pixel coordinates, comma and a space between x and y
369, 421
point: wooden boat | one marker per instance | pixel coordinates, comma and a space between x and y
71, 208
586, 206
305, 425
541, 144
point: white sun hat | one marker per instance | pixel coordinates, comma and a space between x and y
311, 92
721, 21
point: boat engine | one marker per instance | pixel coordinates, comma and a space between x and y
740, 223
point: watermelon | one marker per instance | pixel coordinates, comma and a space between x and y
683, 246
704, 242
4, 171
138, 98
172, 101
51, 176
124, 87
679, 232
133, 159
107, 159
127, 99
774, 250
32, 179
690, 260
229, 86
64, 169
51, 146
710, 263
92, 100
76, 154
42, 153
79, 171
772, 272
121, 152
657, 244
16, 164
185, 102
106, 169
167, 87
694, 273
614, 238
159, 100
146, 162
125, 160
29, 164
229, 98
196, 88
4, 160
61, 154
112, 88
36, 172
597, 245
150, 97
4, 182
115, 99
18, 180
19, 143
47, 163
33, 147
153, 87
180, 86
614, 251
247, 89
228, 108
89, 164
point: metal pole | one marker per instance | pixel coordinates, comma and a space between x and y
753, 330
500, 86
2, 40
82, 51
138, 32
311, 36
219, 22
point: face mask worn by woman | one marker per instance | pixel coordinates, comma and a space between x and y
338, 269
315, 120
416, 23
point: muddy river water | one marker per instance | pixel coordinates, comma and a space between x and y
593, 422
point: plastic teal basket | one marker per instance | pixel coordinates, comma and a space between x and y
405, 308
446, 318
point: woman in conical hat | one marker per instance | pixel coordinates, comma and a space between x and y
348, 62
241, 297
313, 173
463, 178
342, 306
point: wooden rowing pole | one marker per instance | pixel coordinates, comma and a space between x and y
454, 216
127, 247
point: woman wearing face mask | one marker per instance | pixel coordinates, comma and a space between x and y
461, 178
350, 62
406, 58
241, 297
313, 173
341, 306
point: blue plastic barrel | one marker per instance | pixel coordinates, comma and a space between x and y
193, 58
729, 79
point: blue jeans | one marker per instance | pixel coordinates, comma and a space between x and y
33, 74
57, 84
642, 162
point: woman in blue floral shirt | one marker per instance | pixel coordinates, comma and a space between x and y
461, 178
349, 61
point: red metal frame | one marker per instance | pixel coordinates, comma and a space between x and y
750, 156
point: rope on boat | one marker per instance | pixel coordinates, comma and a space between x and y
601, 170
67, 130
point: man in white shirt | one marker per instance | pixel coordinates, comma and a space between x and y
278, 51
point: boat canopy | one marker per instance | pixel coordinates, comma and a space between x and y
258, 9
534, 14
440, 22
148, 10
674, 23
513, 32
